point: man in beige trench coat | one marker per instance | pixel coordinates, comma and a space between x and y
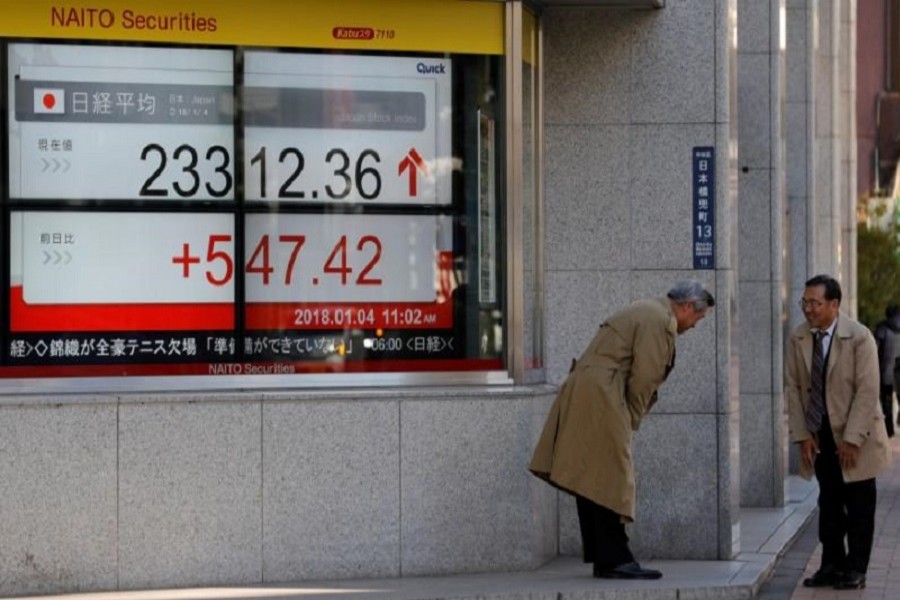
585, 447
831, 385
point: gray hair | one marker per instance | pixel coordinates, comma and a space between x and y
691, 290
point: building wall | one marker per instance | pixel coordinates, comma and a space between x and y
870, 80
828, 179
800, 151
834, 209
761, 66
104, 493
627, 96
848, 165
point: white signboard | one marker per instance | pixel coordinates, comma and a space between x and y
349, 129
135, 123
123, 258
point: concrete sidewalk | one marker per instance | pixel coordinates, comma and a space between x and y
765, 533
883, 578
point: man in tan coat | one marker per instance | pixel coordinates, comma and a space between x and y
585, 447
831, 385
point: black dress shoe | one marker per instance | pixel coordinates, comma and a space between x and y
824, 577
629, 570
851, 580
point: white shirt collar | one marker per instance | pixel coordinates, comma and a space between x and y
829, 333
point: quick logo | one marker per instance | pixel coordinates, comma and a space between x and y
439, 69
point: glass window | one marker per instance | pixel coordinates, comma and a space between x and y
242, 211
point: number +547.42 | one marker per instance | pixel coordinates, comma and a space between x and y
218, 264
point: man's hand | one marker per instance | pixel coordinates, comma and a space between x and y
808, 450
848, 453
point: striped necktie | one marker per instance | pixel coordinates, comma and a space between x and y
816, 408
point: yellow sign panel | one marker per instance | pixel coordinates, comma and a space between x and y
529, 38
464, 26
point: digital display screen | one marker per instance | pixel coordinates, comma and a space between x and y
197, 211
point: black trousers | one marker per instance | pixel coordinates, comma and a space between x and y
846, 510
603, 536
887, 407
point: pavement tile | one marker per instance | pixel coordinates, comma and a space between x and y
883, 577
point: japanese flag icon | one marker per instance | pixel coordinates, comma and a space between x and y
49, 101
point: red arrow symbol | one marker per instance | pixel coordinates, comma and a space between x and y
412, 159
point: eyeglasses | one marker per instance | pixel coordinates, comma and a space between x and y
813, 304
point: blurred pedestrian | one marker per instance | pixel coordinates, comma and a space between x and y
887, 338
